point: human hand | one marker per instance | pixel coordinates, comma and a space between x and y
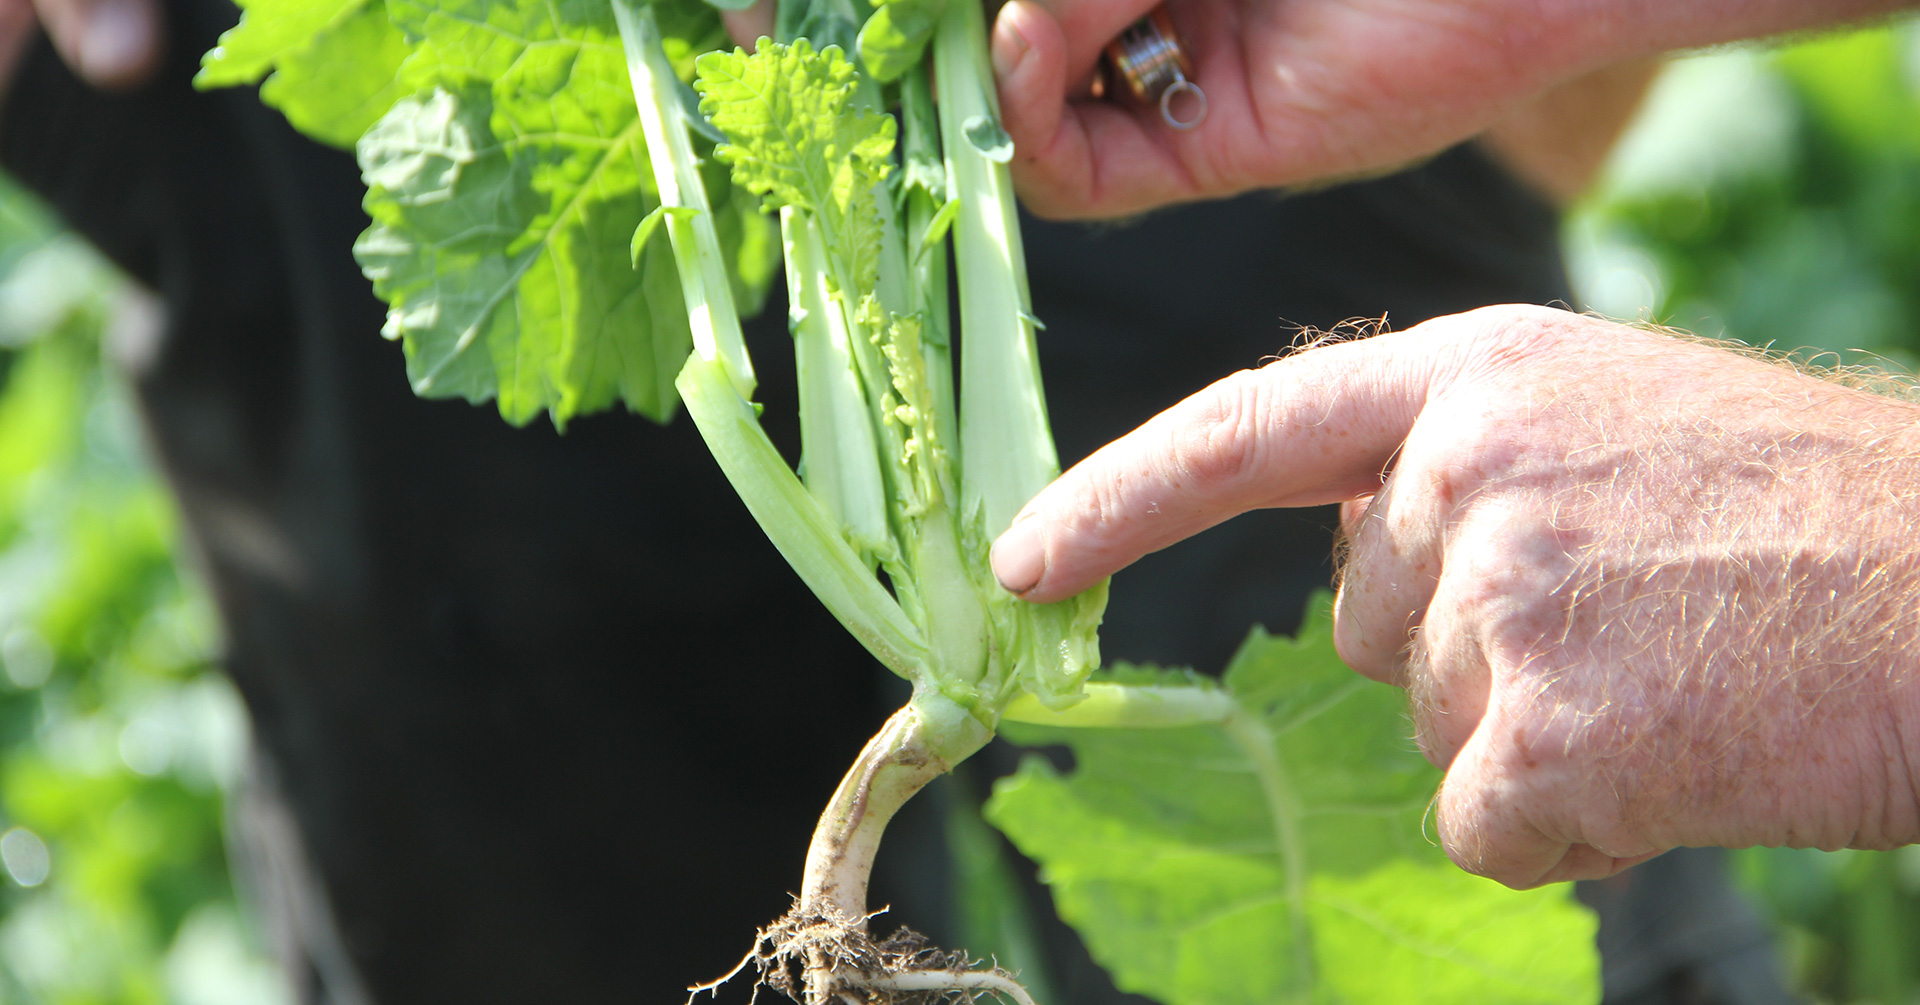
112, 44
1303, 90
1643, 592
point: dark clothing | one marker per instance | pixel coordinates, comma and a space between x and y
545, 715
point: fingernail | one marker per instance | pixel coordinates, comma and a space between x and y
117, 39
1009, 46
1019, 558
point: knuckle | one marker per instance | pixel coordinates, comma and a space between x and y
1217, 444
1094, 508
1504, 582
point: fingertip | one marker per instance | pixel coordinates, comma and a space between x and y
118, 44
1019, 557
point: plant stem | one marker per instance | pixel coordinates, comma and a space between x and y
1250, 733
921, 742
920, 144
1129, 706
676, 172
1006, 450
837, 448
807, 537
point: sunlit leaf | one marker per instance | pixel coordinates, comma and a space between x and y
1279, 856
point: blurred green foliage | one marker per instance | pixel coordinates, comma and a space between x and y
1769, 196
1773, 196
117, 739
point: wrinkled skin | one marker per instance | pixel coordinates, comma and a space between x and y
1300, 90
1644, 592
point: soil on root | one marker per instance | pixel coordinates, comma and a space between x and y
816, 958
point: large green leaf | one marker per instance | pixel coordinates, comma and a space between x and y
267, 30
1279, 856
505, 194
333, 62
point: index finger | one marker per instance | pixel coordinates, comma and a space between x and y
1317, 427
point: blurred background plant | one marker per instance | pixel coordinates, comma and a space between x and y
1773, 196
117, 737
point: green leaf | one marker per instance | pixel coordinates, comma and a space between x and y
797, 138
650, 223
268, 29
1279, 856
896, 36
937, 227
337, 87
334, 63
984, 134
506, 197
821, 22
507, 266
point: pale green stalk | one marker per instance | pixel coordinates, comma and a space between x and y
1006, 450
714, 389
1129, 706
838, 454
927, 264
696, 245
806, 536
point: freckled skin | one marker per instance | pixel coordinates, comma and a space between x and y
1643, 592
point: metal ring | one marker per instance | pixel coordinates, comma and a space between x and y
1151, 60
1181, 85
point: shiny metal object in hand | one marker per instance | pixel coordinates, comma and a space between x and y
1150, 58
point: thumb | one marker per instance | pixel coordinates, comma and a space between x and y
112, 44
1086, 27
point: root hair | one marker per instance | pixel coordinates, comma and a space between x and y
817, 957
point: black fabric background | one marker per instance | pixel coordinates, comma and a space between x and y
553, 718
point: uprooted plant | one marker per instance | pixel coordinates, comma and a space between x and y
523, 158
902, 471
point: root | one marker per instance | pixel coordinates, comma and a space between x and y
821, 953
815, 959
966, 983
